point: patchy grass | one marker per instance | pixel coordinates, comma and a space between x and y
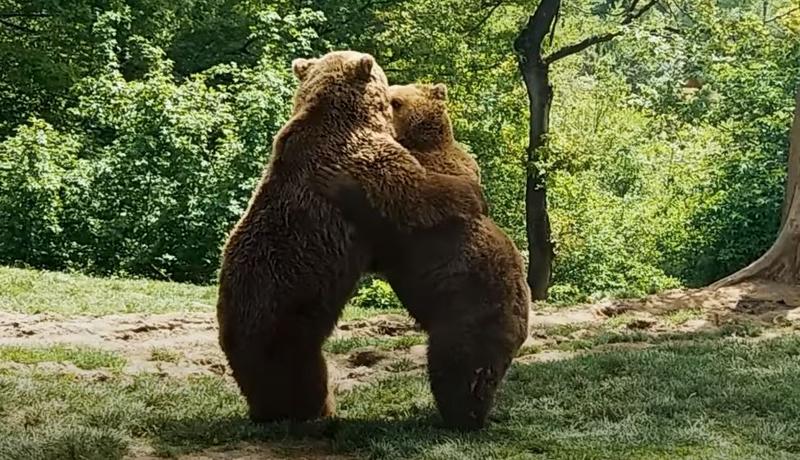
565, 330
529, 350
165, 355
346, 345
35, 291
620, 320
352, 313
600, 336
83, 358
714, 400
678, 317
402, 365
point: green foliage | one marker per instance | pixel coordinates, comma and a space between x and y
376, 293
132, 133
724, 399
148, 175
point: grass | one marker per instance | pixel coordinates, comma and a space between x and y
681, 316
714, 400
35, 291
346, 345
82, 358
620, 320
707, 394
165, 355
602, 336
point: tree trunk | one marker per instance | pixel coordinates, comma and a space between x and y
536, 75
535, 70
782, 261
540, 246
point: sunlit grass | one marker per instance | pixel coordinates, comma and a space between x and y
34, 291
83, 358
715, 400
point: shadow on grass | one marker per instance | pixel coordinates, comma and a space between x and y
715, 399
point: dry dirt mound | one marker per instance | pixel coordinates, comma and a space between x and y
742, 309
190, 339
183, 344
764, 303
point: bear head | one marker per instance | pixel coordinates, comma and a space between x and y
419, 115
345, 84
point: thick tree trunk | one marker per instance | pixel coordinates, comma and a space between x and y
782, 261
540, 246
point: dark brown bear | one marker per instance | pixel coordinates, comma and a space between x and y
291, 262
463, 281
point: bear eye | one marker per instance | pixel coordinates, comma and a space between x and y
396, 104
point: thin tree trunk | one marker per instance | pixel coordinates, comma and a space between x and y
540, 246
782, 261
536, 75
535, 70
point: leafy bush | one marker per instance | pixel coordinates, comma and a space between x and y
376, 293
131, 136
148, 175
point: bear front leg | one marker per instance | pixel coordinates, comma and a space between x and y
400, 190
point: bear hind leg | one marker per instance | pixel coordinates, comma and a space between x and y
282, 379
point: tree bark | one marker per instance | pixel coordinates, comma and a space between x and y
536, 75
781, 262
535, 70
540, 247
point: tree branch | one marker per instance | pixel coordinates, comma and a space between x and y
682, 10
784, 14
632, 16
575, 48
482, 22
580, 46
529, 42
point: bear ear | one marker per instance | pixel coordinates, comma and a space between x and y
364, 67
439, 91
301, 66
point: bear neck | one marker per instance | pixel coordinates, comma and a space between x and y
427, 136
352, 110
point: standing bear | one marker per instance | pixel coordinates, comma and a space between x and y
463, 280
292, 261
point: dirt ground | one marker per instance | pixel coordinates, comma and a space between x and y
190, 339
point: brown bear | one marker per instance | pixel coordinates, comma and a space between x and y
420, 119
463, 280
292, 261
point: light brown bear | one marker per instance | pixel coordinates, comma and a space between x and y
463, 281
292, 261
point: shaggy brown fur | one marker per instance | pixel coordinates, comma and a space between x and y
423, 126
291, 262
464, 281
